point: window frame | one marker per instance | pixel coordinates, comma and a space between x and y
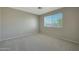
54, 14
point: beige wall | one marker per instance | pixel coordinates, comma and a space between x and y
70, 30
17, 23
0, 23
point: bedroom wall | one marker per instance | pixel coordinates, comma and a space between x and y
0, 23
17, 23
70, 30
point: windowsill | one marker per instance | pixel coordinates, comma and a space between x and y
54, 27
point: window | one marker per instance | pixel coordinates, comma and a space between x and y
55, 20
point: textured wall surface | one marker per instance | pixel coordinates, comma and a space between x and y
0, 23
17, 23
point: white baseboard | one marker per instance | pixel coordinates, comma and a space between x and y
29, 34
73, 41
64, 38
18, 36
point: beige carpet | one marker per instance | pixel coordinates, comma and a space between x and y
37, 42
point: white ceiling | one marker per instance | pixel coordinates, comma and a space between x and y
35, 10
